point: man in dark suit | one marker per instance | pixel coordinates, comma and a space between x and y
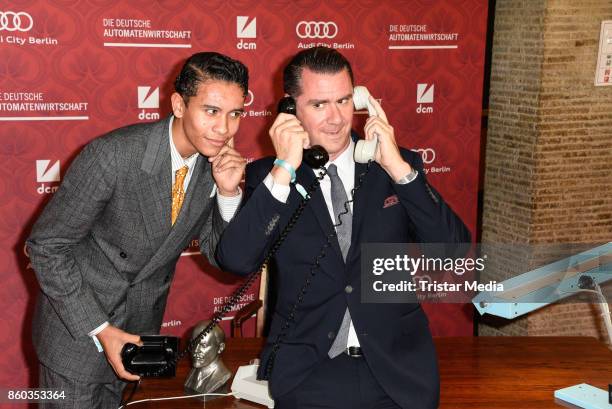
336, 351
105, 248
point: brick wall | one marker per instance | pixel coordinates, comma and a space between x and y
548, 176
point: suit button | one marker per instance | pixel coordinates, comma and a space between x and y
167, 278
331, 335
132, 285
111, 314
348, 289
122, 255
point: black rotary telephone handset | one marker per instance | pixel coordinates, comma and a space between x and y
316, 157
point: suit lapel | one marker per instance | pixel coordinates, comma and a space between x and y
360, 205
154, 190
156, 200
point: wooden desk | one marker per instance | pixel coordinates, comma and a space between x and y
481, 372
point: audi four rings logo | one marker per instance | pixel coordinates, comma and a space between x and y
316, 29
428, 155
11, 21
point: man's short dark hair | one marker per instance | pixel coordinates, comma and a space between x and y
322, 60
202, 67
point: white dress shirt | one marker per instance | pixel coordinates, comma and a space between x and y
346, 171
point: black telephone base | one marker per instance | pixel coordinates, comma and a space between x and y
154, 359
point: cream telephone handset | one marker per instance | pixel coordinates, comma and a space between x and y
364, 150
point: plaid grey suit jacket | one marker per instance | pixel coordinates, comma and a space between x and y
104, 248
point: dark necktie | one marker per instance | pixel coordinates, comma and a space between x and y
343, 232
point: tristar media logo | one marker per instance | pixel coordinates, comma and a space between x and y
246, 28
148, 99
425, 95
45, 174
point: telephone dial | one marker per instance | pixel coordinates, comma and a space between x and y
245, 384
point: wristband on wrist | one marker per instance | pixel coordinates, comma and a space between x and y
287, 166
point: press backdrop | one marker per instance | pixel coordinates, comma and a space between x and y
73, 70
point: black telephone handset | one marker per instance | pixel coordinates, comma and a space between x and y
316, 157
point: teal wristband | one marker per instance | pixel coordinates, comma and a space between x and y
285, 165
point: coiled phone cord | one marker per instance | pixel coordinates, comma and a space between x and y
238, 293
313, 268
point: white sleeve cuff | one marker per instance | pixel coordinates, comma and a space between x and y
229, 204
98, 329
280, 192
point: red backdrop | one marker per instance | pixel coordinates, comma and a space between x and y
71, 71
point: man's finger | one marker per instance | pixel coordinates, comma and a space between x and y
289, 126
379, 111
281, 119
232, 158
128, 376
232, 154
223, 149
305, 140
121, 372
376, 125
369, 130
229, 153
135, 339
231, 163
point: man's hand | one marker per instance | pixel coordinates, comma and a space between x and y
388, 154
113, 339
228, 169
289, 139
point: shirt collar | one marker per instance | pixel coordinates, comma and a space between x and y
177, 160
344, 161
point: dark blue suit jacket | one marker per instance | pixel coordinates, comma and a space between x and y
395, 338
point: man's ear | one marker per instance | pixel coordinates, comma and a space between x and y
221, 347
178, 105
